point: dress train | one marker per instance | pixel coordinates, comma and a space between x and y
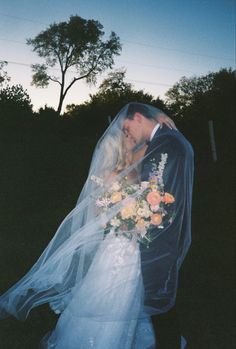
103, 312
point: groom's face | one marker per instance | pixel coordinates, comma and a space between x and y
133, 127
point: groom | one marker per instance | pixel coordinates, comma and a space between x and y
162, 260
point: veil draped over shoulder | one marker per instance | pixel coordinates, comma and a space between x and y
153, 210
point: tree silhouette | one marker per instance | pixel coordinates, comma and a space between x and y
74, 44
114, 90
204, 97
113, 93
195, 101
4, 78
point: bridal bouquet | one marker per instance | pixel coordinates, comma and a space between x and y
144, 206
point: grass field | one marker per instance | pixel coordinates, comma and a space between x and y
42, 173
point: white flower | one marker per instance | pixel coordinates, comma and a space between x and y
144, 184
115, 222
135, 186
155, 208
102, 202
143, 212
115, 186
144, 205
161, 167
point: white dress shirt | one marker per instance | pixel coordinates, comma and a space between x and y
154, 131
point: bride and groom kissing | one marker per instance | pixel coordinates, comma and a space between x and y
114, 290
140, 126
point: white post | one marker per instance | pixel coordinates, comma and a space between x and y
109, 119
212, 140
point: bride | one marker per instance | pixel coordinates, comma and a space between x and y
90, 272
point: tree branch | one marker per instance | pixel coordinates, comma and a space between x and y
76, 79
85, 75
55, 80
69, 56
59, 59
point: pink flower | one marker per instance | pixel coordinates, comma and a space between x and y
154, 198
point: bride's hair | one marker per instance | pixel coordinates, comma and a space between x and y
114, 153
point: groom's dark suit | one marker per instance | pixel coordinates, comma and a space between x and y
162, 260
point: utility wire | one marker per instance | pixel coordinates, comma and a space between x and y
156, 66
177, 50
128, 62
150, 82
55, 69
22, 18
131, 42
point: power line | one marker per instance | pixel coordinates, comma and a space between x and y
17, 63
150, 82
131, 80
157, 67
30, 65
132, 42
128, 62
178, 50
22, 19
10, 40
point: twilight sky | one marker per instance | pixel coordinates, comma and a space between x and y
162, 40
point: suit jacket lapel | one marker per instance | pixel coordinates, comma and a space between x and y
153, 140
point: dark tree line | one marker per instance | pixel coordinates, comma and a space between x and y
101, 108
191, 102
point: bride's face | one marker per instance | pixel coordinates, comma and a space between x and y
128, 142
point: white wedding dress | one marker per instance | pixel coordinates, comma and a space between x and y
103, 311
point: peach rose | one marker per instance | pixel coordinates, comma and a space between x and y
140, 223
168, 198
127, 212
153, 198
156, 219
116, 197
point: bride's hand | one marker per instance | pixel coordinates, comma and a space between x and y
166, 120
59, 305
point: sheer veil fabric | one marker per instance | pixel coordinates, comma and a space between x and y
81, 257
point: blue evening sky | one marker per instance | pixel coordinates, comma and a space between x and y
162, 40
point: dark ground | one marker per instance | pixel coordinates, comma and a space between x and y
42, 173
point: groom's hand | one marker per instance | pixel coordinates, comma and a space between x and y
164, 119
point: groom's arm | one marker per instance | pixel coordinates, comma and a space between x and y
160, 262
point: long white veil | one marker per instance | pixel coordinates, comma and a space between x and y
64, 263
